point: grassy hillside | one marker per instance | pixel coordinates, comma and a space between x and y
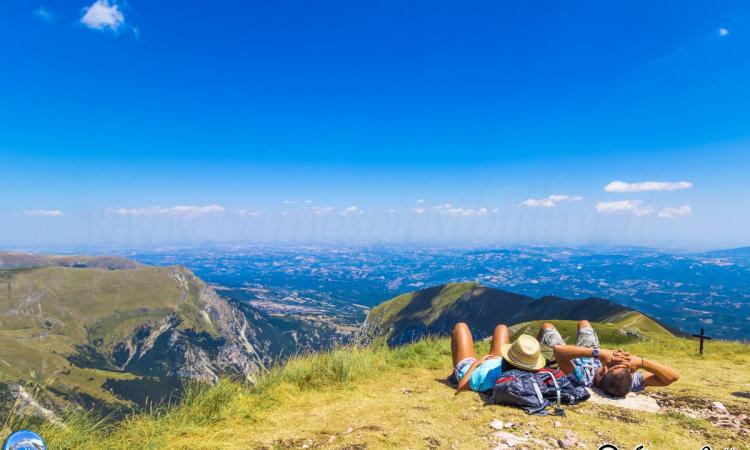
434, 311
82, 333
49, 313
396, 398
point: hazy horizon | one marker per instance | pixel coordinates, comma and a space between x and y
592, 246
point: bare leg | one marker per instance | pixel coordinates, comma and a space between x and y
545, 326
549, 337
586, 335
499, 337
462, 343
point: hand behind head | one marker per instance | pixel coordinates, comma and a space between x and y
618, 360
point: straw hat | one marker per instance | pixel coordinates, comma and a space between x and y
525, 353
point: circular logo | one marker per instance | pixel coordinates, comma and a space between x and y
24, 440
608, 447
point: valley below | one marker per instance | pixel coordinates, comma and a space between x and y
684, 290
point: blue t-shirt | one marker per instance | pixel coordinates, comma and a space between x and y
585, 368
483, 378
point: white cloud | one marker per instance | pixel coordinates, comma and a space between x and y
635, 207
321, 209
552, 200
351, 210
419, 210
565, 198
45, 14
177, 211
103, 14
249, 213
308, 202
621, 186
288, 202
450, 210
43, 213
674, 212
723, 31
534, 203
420, 200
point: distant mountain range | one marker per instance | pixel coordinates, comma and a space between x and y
681, 289
434, 311
31, 260
741, 252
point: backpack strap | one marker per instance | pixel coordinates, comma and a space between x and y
558, 408
557, 390
538, 411
538, 392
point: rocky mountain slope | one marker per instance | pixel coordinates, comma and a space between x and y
434, 311
110, 333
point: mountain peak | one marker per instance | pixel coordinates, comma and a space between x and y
435, 310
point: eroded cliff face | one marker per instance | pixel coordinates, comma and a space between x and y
216, 339
240, 338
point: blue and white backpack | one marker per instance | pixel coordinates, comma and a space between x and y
535, 391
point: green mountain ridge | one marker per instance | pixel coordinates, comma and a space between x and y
435, 310
111, 337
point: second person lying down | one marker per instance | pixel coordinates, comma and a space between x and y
615, 372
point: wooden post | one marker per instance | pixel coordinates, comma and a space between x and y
702, 337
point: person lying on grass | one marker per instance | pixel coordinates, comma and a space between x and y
480, 374
614, 372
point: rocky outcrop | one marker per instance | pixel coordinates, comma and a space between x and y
238, 353
26, 404
218, 341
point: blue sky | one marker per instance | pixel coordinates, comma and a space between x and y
147, 121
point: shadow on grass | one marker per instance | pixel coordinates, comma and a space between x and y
445, 382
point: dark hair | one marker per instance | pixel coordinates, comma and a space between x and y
617, 382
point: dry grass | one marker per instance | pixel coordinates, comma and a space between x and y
380, 398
